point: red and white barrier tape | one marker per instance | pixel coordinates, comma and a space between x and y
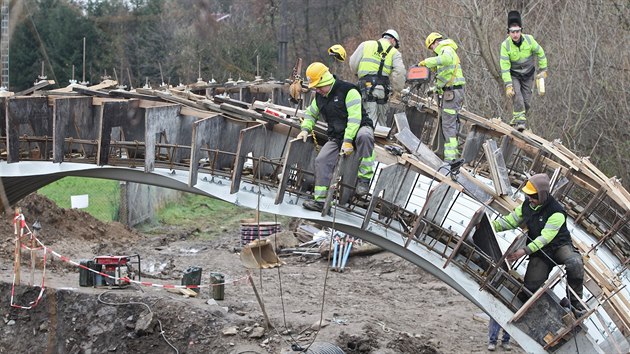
41, 291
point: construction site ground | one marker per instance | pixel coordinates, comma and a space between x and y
380, 304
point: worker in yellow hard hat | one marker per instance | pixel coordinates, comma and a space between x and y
518, 68
548, 240
338, 103
449, 85
337, 52
381, 72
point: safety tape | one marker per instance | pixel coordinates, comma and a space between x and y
33, 303
132, 281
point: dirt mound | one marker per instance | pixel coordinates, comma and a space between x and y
67, 229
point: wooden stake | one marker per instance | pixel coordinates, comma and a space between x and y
262, 306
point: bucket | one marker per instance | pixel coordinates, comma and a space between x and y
192, 276
217, 291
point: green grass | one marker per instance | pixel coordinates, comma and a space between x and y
103, 194
210, 216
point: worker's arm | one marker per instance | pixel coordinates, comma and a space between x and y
510, 221
505, 64
353, 106
355, 58
311, 115
399, 72
540, 53
445, 58
552, 226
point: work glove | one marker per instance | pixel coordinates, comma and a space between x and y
295, 90
405, 91
542, 74
422, 63
509, 91
347, 148
303, 135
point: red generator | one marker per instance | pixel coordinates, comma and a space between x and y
117, 267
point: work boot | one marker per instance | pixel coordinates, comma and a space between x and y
313, 205
492, 347
363, 187
506, 346
520, 126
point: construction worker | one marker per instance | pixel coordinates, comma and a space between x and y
518, 68
549, 241
337, 53
380, 69
493, 336
338, 103
449, 85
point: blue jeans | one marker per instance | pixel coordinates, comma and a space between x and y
493, 332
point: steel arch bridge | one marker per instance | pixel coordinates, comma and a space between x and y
244, 154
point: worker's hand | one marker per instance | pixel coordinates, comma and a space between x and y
422, 63
542, 74
295, 90
347, 148
509, 91
303, 135
516, 255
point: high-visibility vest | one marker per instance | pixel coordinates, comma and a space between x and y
371, 59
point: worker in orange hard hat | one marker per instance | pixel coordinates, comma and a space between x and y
549, 240
381, 71
338, 103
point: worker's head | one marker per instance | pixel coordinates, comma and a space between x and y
319, 77
393, 38
537, 189
432, 40
515, 25
338, 52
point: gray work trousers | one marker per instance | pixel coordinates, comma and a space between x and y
376, 112
450, 110
523, 91
539, 267
327, 158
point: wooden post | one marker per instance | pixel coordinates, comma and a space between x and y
18, 229
262, 305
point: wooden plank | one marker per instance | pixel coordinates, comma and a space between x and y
38, 85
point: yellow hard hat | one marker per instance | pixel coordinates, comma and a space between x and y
338, 52
529, 188
318, 75
432, 38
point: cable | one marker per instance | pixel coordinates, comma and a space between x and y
137, 303
330, 242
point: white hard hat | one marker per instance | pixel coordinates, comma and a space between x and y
392, 33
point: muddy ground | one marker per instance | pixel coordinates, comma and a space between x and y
380, 304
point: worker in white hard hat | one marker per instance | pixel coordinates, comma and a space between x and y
381, 71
